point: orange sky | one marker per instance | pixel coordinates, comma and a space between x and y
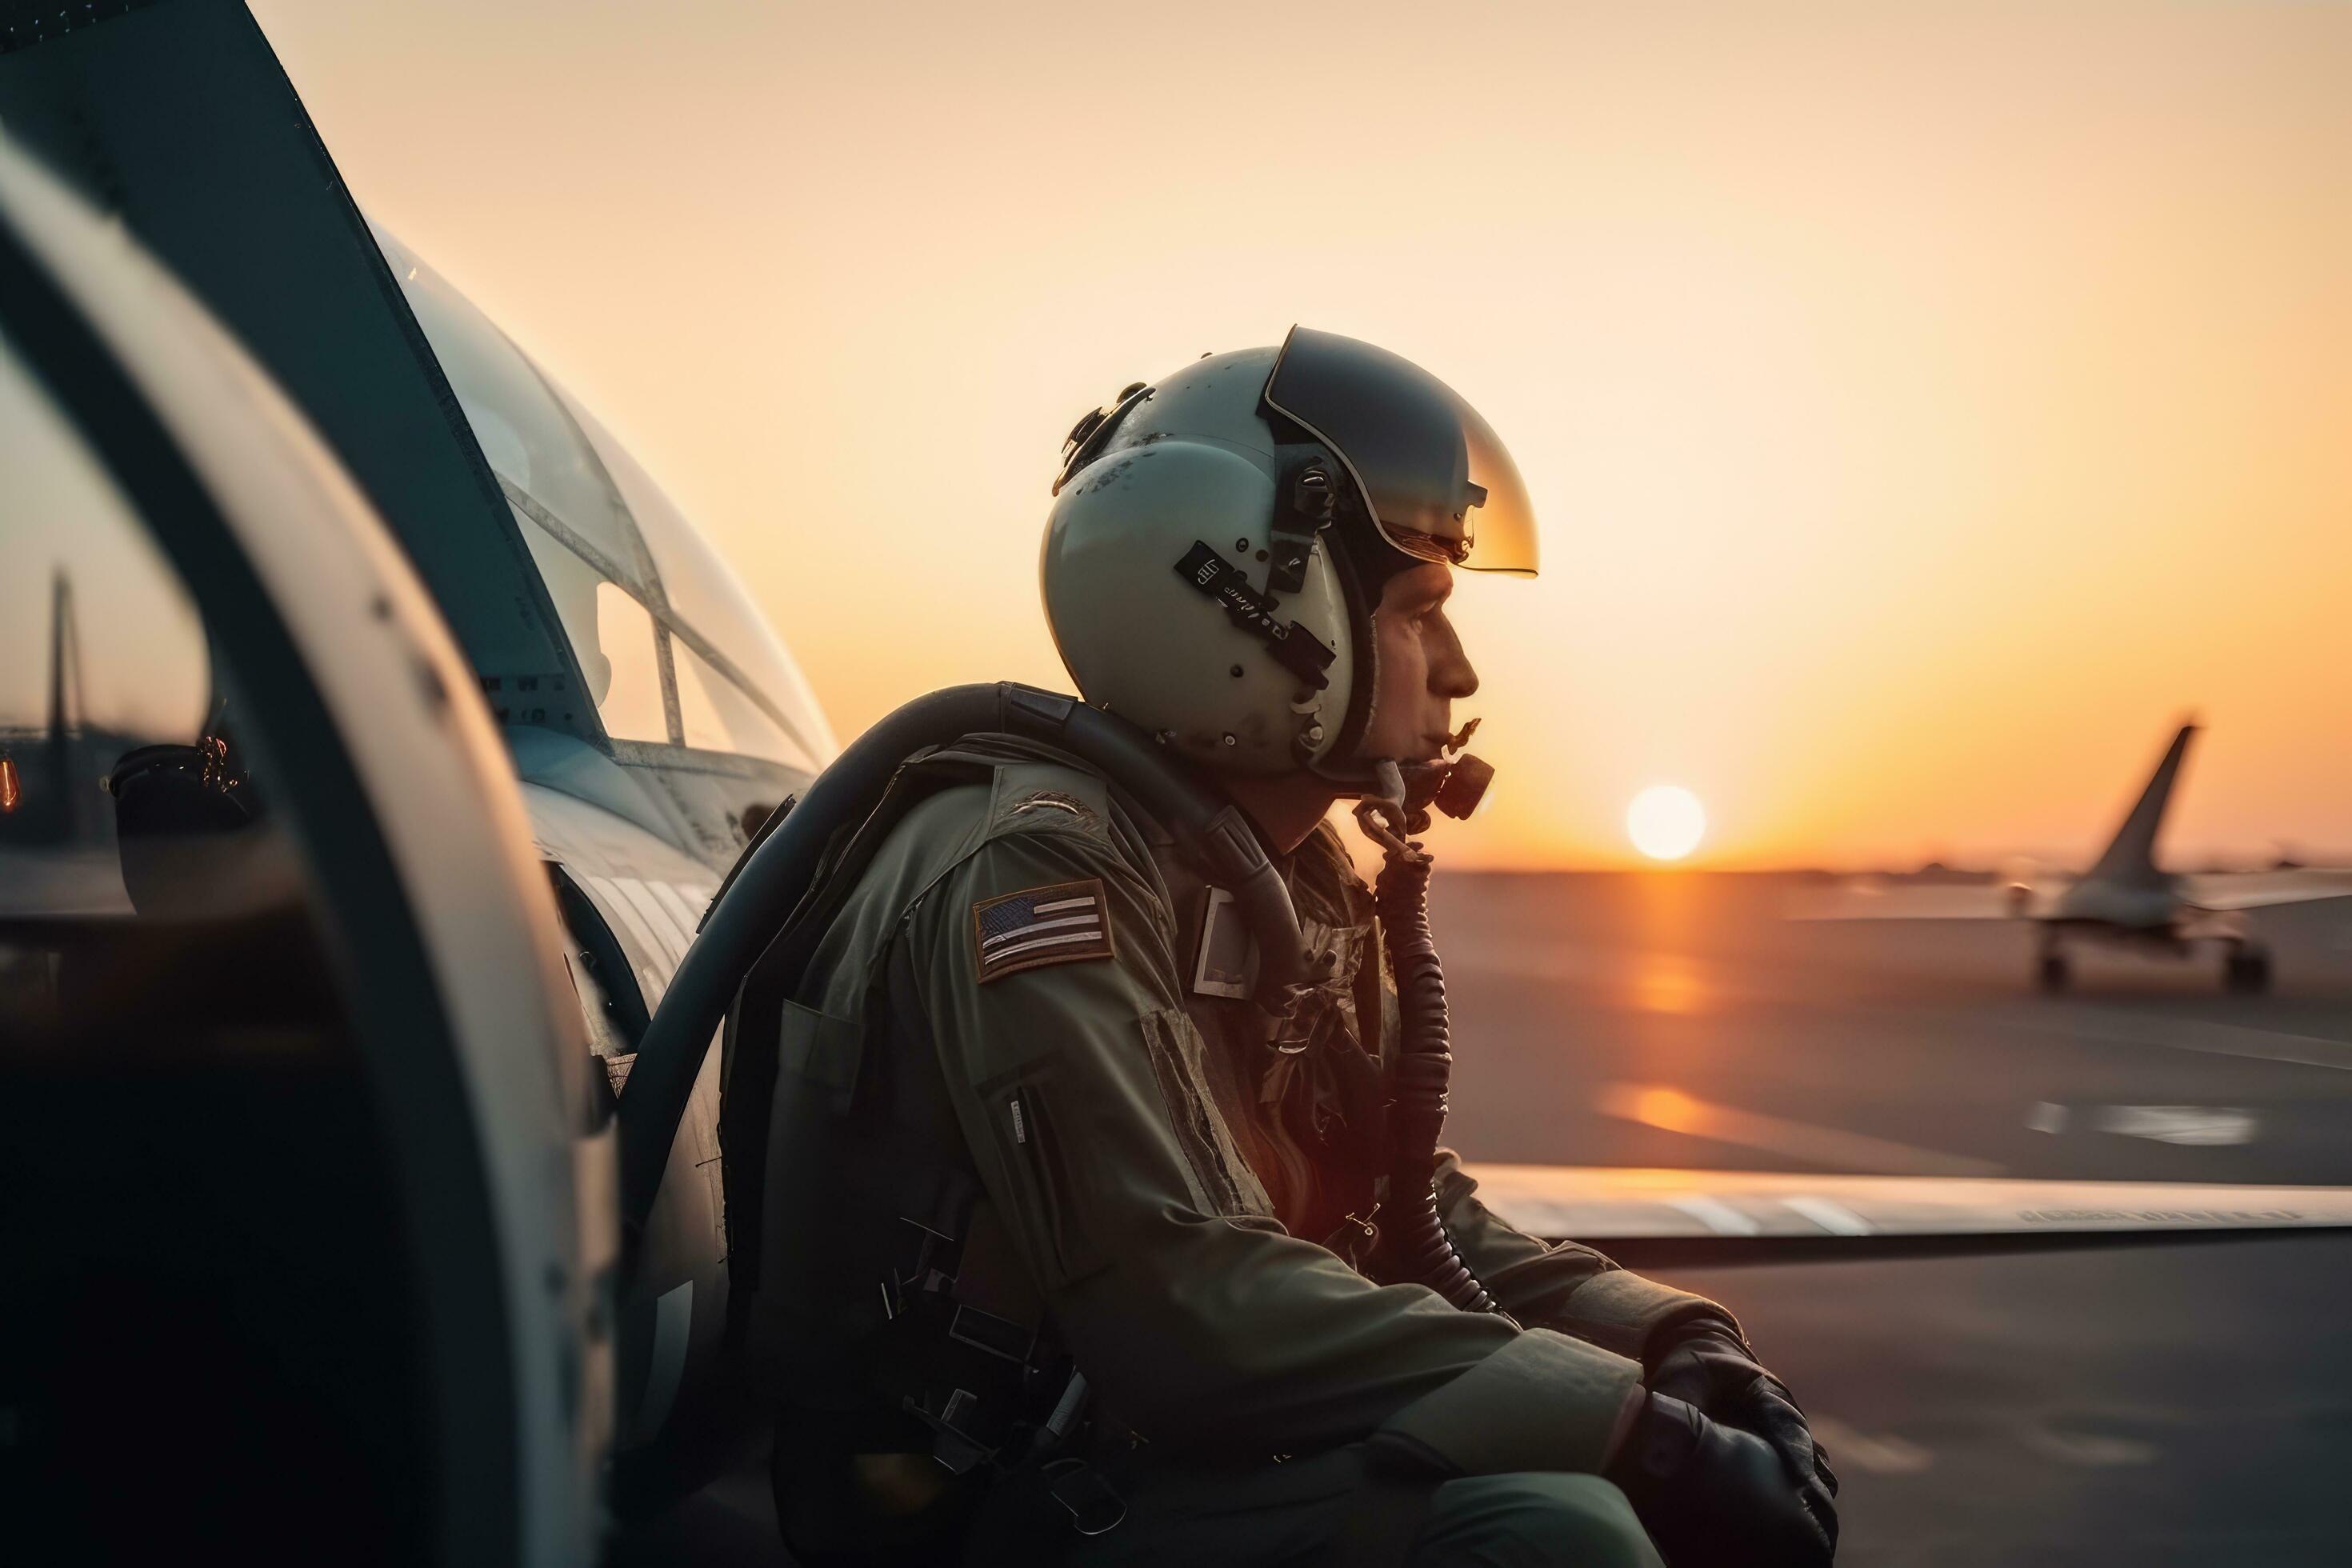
1924, 404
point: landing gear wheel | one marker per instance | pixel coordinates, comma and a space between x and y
2247, 972
2053, 973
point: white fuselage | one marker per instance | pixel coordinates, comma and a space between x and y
2136, 910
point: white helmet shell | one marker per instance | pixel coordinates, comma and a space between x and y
1138, 637
1209, 536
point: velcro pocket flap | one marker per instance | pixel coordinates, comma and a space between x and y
820, 1047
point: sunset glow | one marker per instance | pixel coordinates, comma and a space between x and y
1665, 822
1922, 404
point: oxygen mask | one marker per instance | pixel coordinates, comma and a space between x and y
1397, 804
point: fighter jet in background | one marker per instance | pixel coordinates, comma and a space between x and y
2124, 900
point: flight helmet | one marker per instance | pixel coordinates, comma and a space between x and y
1218, 540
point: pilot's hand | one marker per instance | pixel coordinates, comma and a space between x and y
1709, 1366
1710, 1494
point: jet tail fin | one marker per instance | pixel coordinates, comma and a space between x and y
2129, 859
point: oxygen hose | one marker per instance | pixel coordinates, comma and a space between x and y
1419, 1245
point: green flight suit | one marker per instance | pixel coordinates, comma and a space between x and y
1246, 1382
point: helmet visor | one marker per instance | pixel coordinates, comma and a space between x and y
1439, 486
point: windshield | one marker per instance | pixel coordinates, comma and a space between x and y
673, 650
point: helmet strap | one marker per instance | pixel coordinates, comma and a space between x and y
1293, 647
1340, 764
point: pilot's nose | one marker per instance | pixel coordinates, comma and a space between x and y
1449, 672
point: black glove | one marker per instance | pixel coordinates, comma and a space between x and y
1709, 1366
1712, 1496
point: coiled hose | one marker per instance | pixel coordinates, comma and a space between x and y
1418, 1244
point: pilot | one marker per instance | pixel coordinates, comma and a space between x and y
1063, 1244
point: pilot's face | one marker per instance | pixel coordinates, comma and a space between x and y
1422, 666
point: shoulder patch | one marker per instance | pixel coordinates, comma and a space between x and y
1060, 923
1029, 797
1056, 800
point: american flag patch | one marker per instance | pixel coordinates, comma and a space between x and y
1059, 924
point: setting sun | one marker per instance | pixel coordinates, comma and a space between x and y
1665, 822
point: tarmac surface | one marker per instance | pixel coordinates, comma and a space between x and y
2165, 1405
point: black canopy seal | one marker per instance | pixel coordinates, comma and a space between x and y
1289, 642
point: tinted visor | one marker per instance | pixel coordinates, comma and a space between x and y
1439, 485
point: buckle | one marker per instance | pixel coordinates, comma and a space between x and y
994, 1335
1095, 1506
956, 1450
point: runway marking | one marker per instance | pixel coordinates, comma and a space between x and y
1716, 1216
2205, 1038
2195, 1126
1672, 1110
1835, 1218
2191, 1126
2085, 1449
1883, 1455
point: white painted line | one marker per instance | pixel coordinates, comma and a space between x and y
1717, 1215
1881, 1455
2044, 1117
1835, 1218
2086, 1450
1672, 1110
2203, 1036
2194, 1126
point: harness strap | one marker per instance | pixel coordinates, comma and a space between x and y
750, 1044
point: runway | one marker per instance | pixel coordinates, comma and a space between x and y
2160, 1406
2172, 1405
